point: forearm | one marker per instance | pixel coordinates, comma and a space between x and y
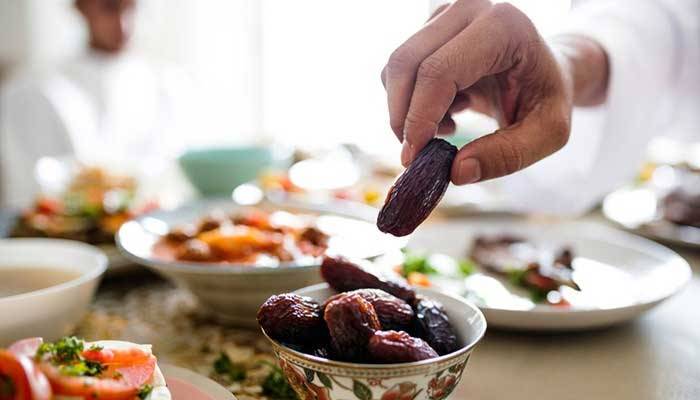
586, 64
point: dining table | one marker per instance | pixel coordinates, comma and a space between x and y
655, 357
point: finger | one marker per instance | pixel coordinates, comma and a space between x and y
481, 49
447, 126
508, 150
404, 61
438, 11
460, 103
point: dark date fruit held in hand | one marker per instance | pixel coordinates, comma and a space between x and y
393, 313
418, 190
291, 318
351, 322
344, 275
397, 347
433, 324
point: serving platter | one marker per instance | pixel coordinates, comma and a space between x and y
620, 275
636, 208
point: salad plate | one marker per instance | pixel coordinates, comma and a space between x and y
187, 385
612, 276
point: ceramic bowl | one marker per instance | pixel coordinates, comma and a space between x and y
217, 171
234, 292
51, 312
318, 378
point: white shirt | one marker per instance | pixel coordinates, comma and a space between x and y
98, 109
654, 89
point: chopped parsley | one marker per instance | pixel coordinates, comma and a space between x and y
224, 367
276, 387
65, 350
414, 262
144, 391
82, 368
417, 262
466, 267
67, 355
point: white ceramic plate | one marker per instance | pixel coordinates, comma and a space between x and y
636, 209
621, 275
187, 385
352, 235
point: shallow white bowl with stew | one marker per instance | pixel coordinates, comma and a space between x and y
233, 292
436, 378
46, 286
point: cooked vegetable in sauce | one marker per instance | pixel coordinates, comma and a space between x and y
253, 236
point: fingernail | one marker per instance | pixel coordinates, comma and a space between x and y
406, 153
469, 171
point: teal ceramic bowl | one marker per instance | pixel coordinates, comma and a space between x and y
217, 171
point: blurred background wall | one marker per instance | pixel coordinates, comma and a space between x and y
292, 71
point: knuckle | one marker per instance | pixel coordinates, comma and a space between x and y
402, 60
505, 11
432, 68
511, 157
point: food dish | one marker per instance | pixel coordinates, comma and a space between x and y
249, 236
32, 369
91, 209
219, 285
70, 272
619, 275
373, 319
665, 207
316, 377
543, 274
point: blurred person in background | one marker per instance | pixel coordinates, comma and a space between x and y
107, 105
627, 70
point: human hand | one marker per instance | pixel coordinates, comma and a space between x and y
489, 58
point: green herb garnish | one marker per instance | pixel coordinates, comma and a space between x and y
67, 355
414, 262
276, 386
95, 347
65, 350
223, 366
516, 276
466, 267
82, 368
144, 391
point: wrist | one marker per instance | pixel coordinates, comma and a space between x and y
585, 65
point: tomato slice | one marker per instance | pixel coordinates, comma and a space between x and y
126, 371
20, 379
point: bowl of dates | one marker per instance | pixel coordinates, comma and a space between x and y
362, 335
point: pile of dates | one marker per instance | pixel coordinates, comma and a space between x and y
373, 319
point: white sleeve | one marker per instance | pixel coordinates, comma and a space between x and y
30, 128
653, 52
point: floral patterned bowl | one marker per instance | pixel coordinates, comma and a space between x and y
435, 379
